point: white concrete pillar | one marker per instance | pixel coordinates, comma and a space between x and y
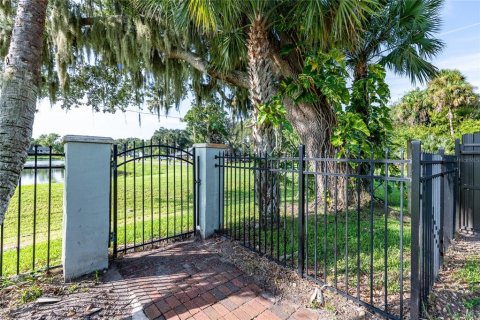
210, 215
86, 205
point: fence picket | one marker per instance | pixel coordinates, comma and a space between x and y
17, 254
301, 210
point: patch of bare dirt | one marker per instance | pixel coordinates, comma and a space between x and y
286, 283
47, 296
453, 295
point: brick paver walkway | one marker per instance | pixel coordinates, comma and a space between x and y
187, 280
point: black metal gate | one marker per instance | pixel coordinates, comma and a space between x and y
469, 215
432, 208
154, 195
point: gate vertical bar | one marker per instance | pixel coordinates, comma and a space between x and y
414, 203
35, 174
49, 203
402, 172
443, 199
220, 168
456, 188
18, 227
143, 194
195, 190
125, 148
115, 205
110, 203
301, 209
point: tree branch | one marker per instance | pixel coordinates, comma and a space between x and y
236, 78
290, 65
282, 65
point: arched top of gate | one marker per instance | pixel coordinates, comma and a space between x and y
163, 152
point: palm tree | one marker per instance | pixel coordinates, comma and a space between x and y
449, 91
274, 37
413, 109
227, 20
18, 94
400, 36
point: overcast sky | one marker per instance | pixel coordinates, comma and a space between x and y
460, 32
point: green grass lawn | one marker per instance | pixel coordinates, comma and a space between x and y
155, 200
470, 274
26, 223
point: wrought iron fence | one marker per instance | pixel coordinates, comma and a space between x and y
153, 195
338, 221
344, 221
30, 236
468, 219
433, 205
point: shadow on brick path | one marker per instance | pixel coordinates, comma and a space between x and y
188, 280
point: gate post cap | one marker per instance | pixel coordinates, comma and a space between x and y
210, 145
87, 139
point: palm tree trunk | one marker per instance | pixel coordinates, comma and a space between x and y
361, 106
314, 124
267, 183
262, 89
18, 94
450, 121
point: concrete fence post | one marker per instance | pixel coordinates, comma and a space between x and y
209, 212
86, 205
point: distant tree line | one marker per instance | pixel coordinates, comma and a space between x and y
205, 123
46, 140
437, 115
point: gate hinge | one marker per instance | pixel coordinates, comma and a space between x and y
198, 181
113, 237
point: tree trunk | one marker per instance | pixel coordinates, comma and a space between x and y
450, 121
267, 183
361, 106
314, 124
262, 90
18, 94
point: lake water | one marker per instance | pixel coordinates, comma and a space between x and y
28, 175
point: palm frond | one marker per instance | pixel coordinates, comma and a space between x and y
403, 38
229, 50
349, 18
405, 61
